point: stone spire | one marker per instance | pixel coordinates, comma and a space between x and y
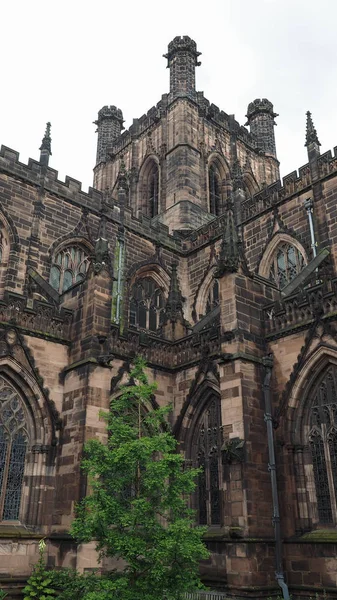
182, 58
312, 144
174, 324
311, 133
45, 148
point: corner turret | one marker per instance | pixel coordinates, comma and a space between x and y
109, 127
182, 58
260, 115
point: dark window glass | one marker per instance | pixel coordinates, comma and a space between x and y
213, 296
214, 191
323, 446
287, 263
146, 305
208, 447
70, 266
13, 447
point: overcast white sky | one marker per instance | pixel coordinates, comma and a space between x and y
63, 60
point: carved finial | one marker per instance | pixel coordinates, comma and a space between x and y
231, 248
311, 133
122, 177
45, 148
237, 175
174, 304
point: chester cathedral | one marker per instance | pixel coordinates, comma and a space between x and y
191, 252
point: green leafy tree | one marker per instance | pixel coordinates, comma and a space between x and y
138, 507
39, 584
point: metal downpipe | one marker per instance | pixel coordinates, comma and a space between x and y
279, 574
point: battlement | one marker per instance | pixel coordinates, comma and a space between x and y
293, 183
260, 106
181, 44
109, 112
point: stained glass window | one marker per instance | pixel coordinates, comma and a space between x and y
323, 446
146, 304
213, 297
13, 447
214, 190
208, 447
287, 263
69, 267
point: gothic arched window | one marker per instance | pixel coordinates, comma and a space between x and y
207, 445
69, 266
13, 447
153, 188
287, 262
323, 446
146, 304
213, 297
214, 190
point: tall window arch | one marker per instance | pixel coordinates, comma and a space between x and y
207, 442
13, 449
214, 186
213, 297
70, 266
153, 190
146, 304
286, 263
322, 441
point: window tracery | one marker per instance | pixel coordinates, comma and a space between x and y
214, 183
13, 448
146, 304
70, 266
287, 262
208, 442
323, 446
213, 297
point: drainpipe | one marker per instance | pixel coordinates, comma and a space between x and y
309, 207
279, 574
119, 278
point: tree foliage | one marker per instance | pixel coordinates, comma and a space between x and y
138, 507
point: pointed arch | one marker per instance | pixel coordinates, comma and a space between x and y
149, 184
9, 245
27, 440
147, 292
201, 430
283, 258
250, 183
70, 262
312, 427
208, 295
218, 173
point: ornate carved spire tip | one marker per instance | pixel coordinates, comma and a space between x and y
311, 133
46, 141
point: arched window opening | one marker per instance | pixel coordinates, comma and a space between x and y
13, 448
146, 304
286, 264
323, 446
70, 266
154, 191
213, 297
214, 190
207, 443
